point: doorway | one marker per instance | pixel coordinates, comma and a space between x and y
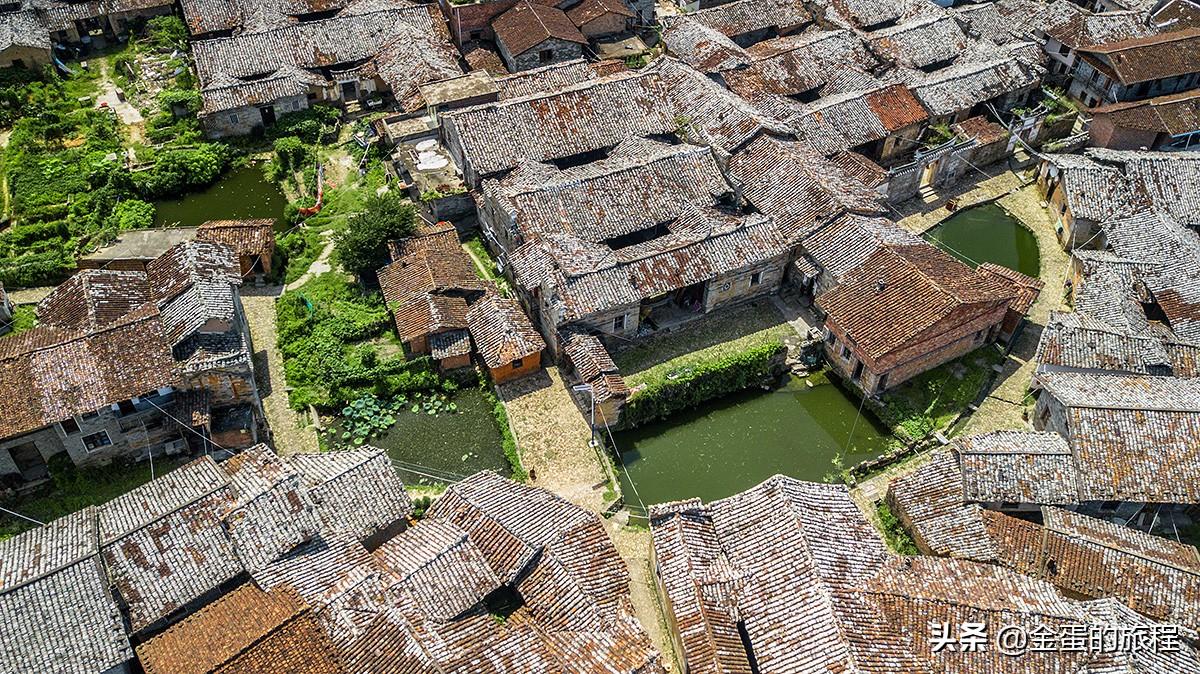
349, 91
268, 115
30, 462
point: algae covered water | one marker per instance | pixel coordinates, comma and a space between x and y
241, 194
731, 444
988, 234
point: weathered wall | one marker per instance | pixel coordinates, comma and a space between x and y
528, 366
559, 50
241, 121
29, 57
736, 286
607, 24
1104, 133
473, 21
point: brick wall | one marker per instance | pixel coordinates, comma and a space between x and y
528, 366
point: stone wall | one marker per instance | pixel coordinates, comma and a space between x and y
548, 51
736, 286
29, 57
473, 21
243, 120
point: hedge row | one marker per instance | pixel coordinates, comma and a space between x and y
703, 382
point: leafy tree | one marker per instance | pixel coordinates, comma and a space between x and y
361, 248
167, 32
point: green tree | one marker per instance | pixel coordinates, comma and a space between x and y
361, 248
131, 214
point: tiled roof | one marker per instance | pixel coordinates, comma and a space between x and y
357, 492
796, 186
245, 237
663, 98
529, 24
923, 42
900, 292
845, 243
590, 10
745, 16
440, 236
93, 299
56, 614
439, 565
587, 278
1174, 114
1017, 467
1002, 21
273, 514
1145, 59
798, 64
554, 77
704, 48
247, 630
1114, 391
23, 28
429, 314
502, 332
1027, 288
50, 374
1078, 341
450, 344
930, 502
866, 14
970, 82
641, 184
1171, 181
1080, 28
855, 118
189, 263
433, 269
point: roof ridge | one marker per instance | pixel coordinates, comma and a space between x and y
1109, 546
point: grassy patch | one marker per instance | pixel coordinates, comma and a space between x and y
76, 489
24, 318
931, 400
893, 532
485, 264
327, 329
706, 340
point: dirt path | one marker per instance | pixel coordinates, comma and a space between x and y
319, 265
1006, 403
553, 437
634, 544
291, 430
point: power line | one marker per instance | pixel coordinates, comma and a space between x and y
24, 517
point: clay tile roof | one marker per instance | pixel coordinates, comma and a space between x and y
189, 263
897, 107
590, 10
440, 236
50, 374
246, 631
1027, 288
1144, 59
502, 332
427, 314
983, 130
429, 268
1173, 114
93, 298
245, 237
529, 24
900, 292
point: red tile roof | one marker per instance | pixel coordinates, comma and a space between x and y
529, 24
897, 107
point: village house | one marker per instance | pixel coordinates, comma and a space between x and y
136, 248
1068, 27
24, 40
172, 546
595, 369
949, 507
907, 309
747, 22
1137, 68
252, 240
367, 50
129, 364
1170, 122
1080, 342
507, 342
1134, 437
319, 550
532, 34
428, 287
729, 572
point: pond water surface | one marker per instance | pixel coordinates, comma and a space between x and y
988, 234
734, 443
461, 443
242, 193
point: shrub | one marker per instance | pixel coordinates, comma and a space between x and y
290, 153
701, 382
893, 532
308, 124
131, 214
178, 171
167, 33
361, 248
170, 99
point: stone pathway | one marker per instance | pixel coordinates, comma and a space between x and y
634, 545
918, 217
553, 437
1006, 403
30, 295
291, 430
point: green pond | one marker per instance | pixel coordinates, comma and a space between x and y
242, 193
988, 234
734, 443
459, 443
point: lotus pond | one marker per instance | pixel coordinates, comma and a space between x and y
448, 433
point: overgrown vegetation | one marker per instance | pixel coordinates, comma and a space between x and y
361, 248
325, 331
485, 265
509, 443
24, 317
928, 402
894, 533
697, 382
77, 488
